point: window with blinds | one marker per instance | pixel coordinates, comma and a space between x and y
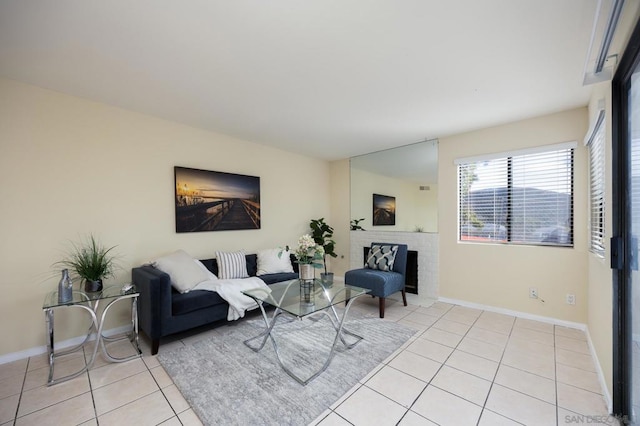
596, 187
524, 198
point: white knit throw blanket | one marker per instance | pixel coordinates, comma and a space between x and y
231, 292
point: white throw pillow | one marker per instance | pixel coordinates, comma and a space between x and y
184, 272
232, 265
270, 263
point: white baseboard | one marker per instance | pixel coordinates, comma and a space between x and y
550, 320
69, 343
519, 314
603, 384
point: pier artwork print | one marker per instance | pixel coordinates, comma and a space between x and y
384, 210
215, 201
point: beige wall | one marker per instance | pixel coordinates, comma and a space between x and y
500, 275
340, 218
71, 167
600, 276
413, 206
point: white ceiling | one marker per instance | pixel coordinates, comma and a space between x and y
417, 162
325, 78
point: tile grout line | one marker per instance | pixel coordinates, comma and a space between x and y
526, 371
163, 393
93, 400
493, 381
443, 364
434, 375
24, 381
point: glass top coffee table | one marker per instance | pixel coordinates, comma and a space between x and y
300, 299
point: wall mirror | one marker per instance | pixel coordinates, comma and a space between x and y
409, 174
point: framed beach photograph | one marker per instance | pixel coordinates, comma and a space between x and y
384, 210
215, 201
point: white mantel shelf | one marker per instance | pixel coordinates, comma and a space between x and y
425, 243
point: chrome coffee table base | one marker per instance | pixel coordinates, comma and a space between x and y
328, 311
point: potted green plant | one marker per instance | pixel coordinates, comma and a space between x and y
322, 234
355, 225
90, 261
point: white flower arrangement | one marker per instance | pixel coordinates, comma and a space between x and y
308, 252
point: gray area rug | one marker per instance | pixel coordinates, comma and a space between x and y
226, 383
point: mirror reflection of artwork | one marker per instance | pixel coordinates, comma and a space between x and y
409, 173
384, 210
215, 201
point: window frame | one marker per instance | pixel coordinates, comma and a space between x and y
508, 159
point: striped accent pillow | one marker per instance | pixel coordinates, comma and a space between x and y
232, 265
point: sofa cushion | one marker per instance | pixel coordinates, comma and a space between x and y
252, 265
232, 265
211, 265
381, 283
183, 303
210, 275
276, 278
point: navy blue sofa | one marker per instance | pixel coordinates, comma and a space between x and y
163, 311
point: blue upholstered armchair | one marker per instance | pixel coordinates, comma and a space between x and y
382, 283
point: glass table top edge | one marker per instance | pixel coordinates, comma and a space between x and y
80, 296
289, 295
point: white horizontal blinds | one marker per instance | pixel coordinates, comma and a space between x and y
483, 200
519, 199
596, 189
542, 203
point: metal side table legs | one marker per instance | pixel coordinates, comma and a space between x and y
91, 306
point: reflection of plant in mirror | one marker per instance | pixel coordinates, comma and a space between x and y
468, 215
355, 226
418, 229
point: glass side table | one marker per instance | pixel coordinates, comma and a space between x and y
90, 302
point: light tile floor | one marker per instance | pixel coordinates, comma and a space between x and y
463, 367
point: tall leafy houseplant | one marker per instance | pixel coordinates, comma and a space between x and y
322, 234
90, 261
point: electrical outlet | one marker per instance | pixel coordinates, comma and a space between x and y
571, 299
533, 292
